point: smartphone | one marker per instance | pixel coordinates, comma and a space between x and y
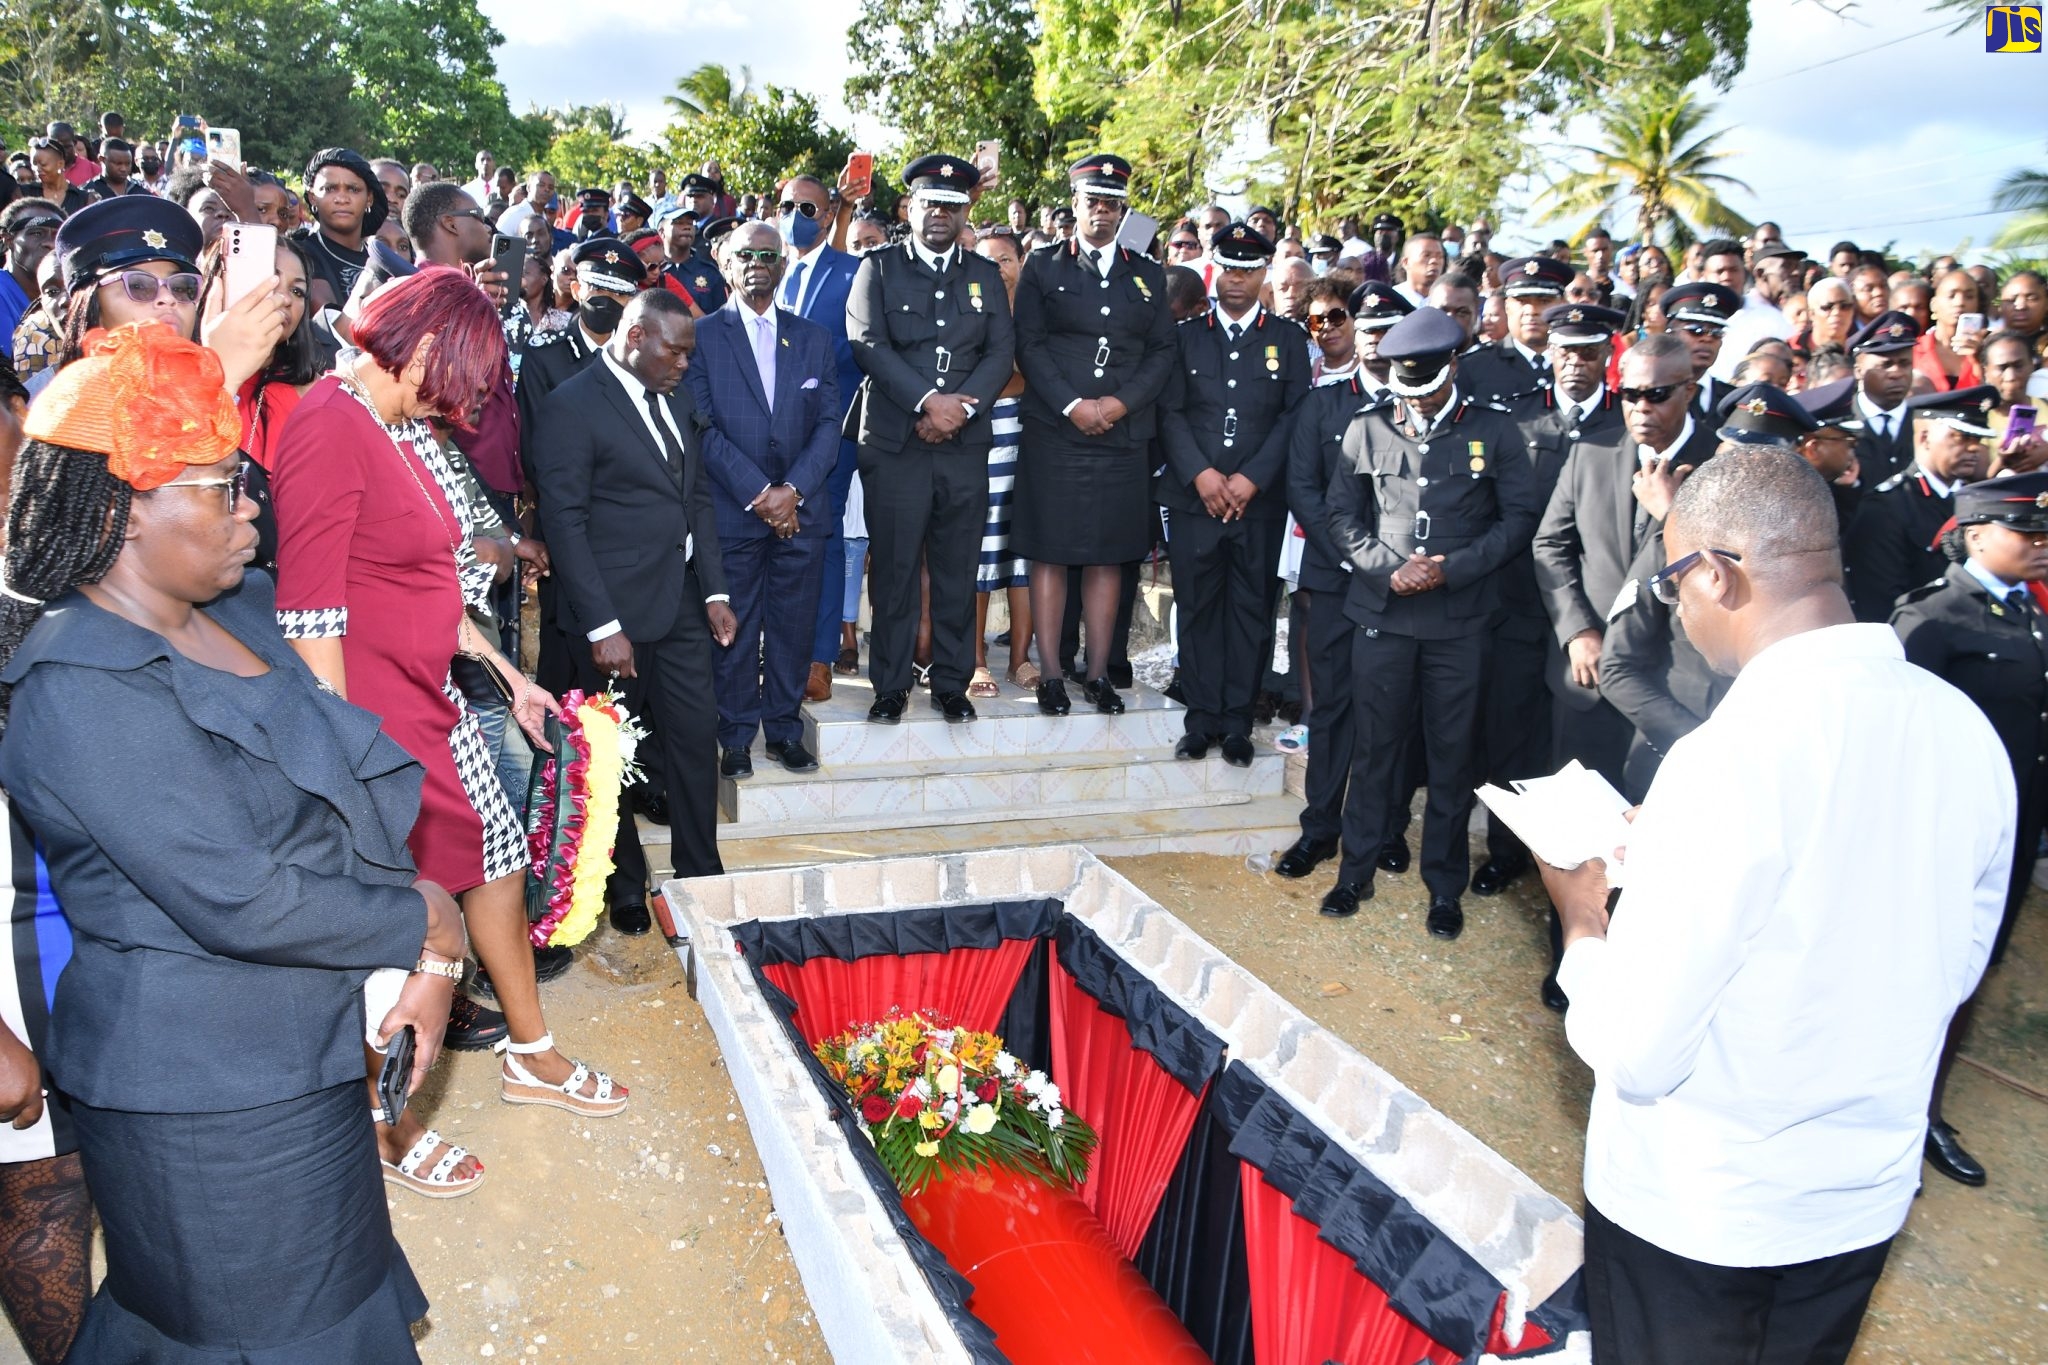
250, 250
988, 159
2019, 425
860, 173
396, 1073
224, 144
1970, 322
508, 254
190, 140
1137, 231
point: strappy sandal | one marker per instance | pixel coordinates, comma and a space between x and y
517, 1085
1025, 674
923, 674
438, 1183
983, 684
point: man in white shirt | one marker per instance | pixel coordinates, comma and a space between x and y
1759, 317
1764, 1012
1422, 264
480, 189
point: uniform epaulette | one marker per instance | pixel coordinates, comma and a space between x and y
548, 338
1498, 406
1925, 590
1895, 480
1374, 402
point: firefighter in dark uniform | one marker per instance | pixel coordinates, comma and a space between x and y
1433, 495
930, 328
607, 275
1314, 453
1576, 405
1831, 447
1505, 370
1980, 628
591, 217
696, 277
1892, 547
1697, 313
1095, 341
1882, 350
1241, 372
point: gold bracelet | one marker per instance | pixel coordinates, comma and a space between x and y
450, 970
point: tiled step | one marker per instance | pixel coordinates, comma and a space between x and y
997, 786
840, 734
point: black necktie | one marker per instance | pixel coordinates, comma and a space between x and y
670, 451
2017, 600
1233, 331
1094, 259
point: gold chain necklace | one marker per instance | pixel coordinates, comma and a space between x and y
354, 386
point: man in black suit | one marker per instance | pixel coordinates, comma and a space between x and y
1433, 494
1502, 371
1610, 496
1242, 372
930, 327
635, 547
1891, 549
1882, 350
1697, 313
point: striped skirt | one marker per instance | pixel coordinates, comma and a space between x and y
999, 568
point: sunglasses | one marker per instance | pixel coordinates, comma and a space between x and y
142, 286
1186, 244
1663, 584
1839, 306
1656, 395
477, 214
807, 209
1699, 329
758, 255
1335, 317
236, 483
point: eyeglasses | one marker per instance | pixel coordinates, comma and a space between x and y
1656, 395
1663, 584
1699, 329
1838, 306
1186, 244
142, 286
1335, 317
759, 255
805, 207
475, 213
236, 483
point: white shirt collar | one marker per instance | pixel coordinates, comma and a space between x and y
588, 340
1535, 358
634, 388
1578, 411
1941, 487
1993, 584
1104, 255
747, 315
938, 262
1684, 435
1223, 316
1896, 415
1443, 413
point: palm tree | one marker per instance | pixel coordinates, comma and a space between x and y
711, 88
2024, 194
1655, 156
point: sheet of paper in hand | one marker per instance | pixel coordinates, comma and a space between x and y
1566, 818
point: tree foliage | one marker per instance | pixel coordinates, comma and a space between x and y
778, 132
948, 74
2024, 194
1652, 155
711, 89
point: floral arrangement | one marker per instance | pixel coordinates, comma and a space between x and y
572, 816
933, 1098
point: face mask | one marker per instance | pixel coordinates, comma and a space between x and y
800, 232
1451, 249
1319, 265
600, 314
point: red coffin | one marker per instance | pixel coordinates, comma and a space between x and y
1047, 1278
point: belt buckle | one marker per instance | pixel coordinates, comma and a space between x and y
1102, 354
1230, 424
1421, 525
945, 360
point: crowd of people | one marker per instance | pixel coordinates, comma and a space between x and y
272, 552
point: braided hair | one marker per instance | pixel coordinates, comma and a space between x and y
66, 522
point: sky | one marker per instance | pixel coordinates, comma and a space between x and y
1878, 123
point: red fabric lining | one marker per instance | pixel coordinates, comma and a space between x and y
1141, 1113
970, 987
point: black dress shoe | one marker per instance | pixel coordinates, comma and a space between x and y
954, 706
792, 755
1944, 1153
1237, 751
1554, 997
1342, 900
888, 707
1103, 694
1052, 697
1494, 876
471, 1027
1172, 690
548, 963
650, 802
1264, 706
1305, 856
1446, 917
1192, 746
631, 917
1120, 676
1073, 675
735, 763
1393, 855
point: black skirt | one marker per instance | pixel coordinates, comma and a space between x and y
259, 1236
1075, 504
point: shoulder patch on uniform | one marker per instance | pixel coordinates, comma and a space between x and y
1895, 480
1497, 405
546, 338
1926, 590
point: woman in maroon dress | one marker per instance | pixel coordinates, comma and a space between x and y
375, 571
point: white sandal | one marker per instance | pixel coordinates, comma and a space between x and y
517, 1085
438, 1183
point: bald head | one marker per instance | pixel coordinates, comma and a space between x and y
1768, 505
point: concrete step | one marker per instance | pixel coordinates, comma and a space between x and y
776, 801
840, 734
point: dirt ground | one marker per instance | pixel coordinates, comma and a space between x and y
651, 1236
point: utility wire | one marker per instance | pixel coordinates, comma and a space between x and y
1859, 52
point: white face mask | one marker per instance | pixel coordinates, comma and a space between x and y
1319, 264
1451, 249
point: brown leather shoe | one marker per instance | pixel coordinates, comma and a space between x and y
819, 688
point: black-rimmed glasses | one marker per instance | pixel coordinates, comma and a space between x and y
1663, 584
1656, 395
142, 287
803, 206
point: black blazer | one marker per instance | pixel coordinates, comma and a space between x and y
1314, 452
1231, 409
914, 331
622, 525
1996, 655
1889, 549
1081, 334
230, 854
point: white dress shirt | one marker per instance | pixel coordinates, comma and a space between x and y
1753, 322
1644, 454
1894, 418
1764, 1016
637, 393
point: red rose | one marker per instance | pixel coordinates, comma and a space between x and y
874, 1109
986, 1091
917, 1054
908, 1106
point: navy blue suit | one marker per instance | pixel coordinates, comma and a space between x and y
827, 280
749, 445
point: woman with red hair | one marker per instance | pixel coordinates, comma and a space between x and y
375, 575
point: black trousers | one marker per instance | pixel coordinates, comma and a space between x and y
924, 502
1223, 592
673, 697
1393, 675
1331, 728
1119, 653
1517, 728
1649, 1306
1599, 738
760, 678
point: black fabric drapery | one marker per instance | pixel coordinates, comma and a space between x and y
1193, 1254
1183, 1048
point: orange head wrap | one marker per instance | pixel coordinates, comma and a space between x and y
144, 397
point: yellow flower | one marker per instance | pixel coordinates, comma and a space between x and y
981, 1119
927, 1149
929, 1120
949, 1079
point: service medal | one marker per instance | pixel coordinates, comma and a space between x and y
1273, 358
1143, 288
974, 295
1477, 450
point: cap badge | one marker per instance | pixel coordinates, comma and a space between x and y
1575, 316
611, 258
1531, 268
2041, 500
1897, 329
1756, 407
155, 239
